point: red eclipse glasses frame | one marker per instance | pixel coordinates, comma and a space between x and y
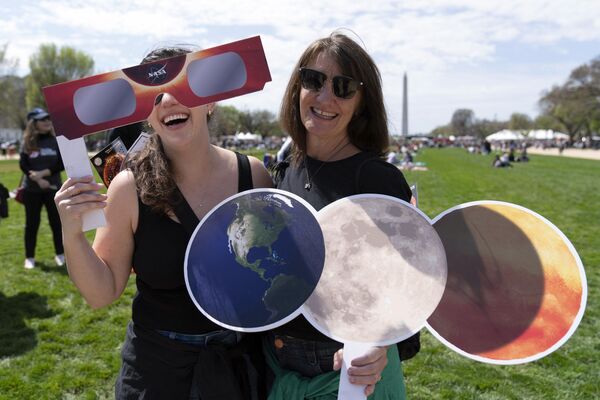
128, 95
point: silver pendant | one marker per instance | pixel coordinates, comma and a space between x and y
307, 185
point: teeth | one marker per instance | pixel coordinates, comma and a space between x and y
170, 118
324, 113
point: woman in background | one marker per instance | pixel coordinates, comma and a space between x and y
41, 164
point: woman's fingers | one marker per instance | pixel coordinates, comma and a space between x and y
366, 370
76, 197
338, 359
85, 198
75, 186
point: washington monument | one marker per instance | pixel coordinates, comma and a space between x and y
405, 108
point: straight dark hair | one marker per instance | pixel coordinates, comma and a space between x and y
367, 129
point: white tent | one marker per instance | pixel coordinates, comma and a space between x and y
504, 135
549, 134
248, 137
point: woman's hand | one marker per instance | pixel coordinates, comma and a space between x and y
38, 175
364, 370
42, 183
76, 197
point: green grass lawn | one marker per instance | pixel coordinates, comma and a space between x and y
54, 346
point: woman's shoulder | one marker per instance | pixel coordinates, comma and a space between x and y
122, 198
260, 175
372, 164
123, 184
379, 176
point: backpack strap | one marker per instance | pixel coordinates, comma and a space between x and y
184, 212
244, 173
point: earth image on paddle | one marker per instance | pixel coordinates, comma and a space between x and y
255, 259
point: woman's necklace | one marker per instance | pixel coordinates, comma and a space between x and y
309, 179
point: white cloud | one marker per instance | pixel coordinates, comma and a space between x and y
435, 41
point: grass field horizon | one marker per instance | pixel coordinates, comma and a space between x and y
52, 345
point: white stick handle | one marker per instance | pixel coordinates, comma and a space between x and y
75, 160
347, 390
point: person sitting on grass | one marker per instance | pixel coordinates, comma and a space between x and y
500, 162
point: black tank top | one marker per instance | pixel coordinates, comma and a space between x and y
162, 301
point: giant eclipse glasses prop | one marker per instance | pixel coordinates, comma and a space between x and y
128, 95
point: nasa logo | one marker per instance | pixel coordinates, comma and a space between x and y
157, 74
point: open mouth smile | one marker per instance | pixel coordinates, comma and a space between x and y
175, 120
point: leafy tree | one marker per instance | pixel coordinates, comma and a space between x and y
51, 65
485, 127
226, 120
442, 130
548, 122
261, 122
229, 120
576, 103
519, 121
12, 93
568, 107
462, 121
265, 123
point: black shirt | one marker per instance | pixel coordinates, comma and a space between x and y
47, 156
331, 181
162, 300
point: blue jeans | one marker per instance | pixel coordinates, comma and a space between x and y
226, 338
308, 357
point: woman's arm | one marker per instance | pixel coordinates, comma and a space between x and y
24, 163
260, 176
100, 272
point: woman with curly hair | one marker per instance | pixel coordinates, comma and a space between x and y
171, 350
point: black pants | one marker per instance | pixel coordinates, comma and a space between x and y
156, 367
33, 210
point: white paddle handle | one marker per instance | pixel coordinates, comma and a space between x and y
347, 390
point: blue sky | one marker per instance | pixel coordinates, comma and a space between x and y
494, 57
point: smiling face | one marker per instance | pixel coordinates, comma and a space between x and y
175, 123
43, 125
325, 116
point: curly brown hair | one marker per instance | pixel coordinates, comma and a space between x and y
151, 168
153, 175
368, 128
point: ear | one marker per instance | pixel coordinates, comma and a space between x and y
210, 107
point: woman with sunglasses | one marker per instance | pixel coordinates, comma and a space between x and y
333, 110
171, 350
41, 164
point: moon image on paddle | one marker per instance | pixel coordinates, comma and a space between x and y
384, 272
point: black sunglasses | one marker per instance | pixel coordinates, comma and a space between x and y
43, 119
344, 87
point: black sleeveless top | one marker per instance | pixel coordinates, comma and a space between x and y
162, 301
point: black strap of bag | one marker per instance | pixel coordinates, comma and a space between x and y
184, 212
408, 348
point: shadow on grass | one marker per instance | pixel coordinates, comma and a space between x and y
53, 268
15, 336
